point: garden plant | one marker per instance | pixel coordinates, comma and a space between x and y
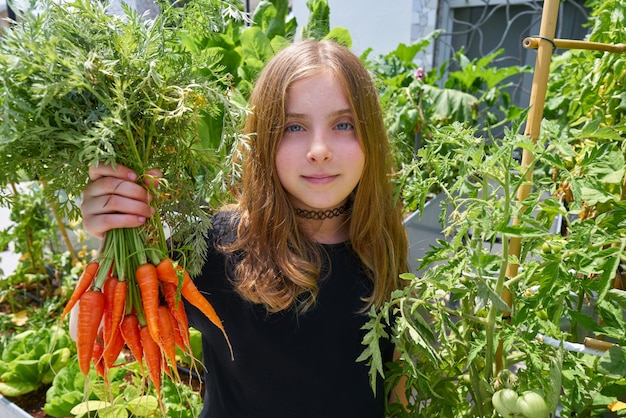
556, 346
466, 350
96, 88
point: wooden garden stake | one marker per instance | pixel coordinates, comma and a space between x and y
545, 45
533, 43
533, 124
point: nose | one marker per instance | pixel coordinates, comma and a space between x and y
319, 149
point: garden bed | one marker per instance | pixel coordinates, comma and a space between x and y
27, 405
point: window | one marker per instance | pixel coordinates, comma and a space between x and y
482, 27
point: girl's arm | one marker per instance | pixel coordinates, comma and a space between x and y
398, 394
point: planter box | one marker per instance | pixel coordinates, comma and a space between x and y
423, 230
10, 410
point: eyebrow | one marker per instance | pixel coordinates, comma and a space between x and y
336, 113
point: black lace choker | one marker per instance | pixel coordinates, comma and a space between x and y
322, 214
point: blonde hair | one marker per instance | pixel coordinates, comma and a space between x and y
279, 266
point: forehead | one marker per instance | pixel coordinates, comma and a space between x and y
323, 88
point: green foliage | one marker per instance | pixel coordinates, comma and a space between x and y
66, 391
125, 396
241, 50
33, 229
587, 85
570, 281
319, 20
475, 94
448, 322
81, 87
32, 358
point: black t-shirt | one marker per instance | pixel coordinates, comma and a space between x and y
287, 364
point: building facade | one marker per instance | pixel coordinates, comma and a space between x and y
478, 27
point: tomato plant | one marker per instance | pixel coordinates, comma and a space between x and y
562, 336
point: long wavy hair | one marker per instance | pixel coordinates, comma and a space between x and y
277, 264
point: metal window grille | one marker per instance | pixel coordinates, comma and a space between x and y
481, 27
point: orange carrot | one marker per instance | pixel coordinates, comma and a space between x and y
119, 303
177, 310
96, 353
81, 287
178, 337
129, 328
96, 357
113, 348
167, 341
146, 276
152, 356
190, 292
90, 310
108, 289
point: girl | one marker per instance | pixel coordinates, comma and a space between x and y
314, 240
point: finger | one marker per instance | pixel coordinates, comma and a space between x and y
152, 176
115, 204
99, 225
106, 170
115, 186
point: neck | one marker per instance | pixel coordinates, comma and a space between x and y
326, 226
322, 214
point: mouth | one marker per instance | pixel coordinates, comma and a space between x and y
320, 178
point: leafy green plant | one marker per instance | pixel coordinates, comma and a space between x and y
66, 391
81, 86
124, 396
589, 85
416, 102
31, 231
32, 358
242, 49
460, 341
467, 350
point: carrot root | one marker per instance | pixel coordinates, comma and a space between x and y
90, 311
152, 356
190, 292
81, 287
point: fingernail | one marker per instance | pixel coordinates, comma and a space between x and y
141, 219
132, 176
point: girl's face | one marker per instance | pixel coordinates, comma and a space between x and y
319, 160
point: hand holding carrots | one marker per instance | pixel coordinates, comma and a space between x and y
136, 288
113, 199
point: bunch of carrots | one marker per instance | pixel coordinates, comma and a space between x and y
131, 296
97, 88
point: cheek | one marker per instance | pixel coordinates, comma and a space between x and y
284, 161
355, 156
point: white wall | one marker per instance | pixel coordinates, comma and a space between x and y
377, 24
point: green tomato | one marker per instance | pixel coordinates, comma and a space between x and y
532, 405
553, 246
505, 402
542, 314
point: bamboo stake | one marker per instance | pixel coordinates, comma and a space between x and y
533, 125
533, 43
597, 344
61, 226
63, 231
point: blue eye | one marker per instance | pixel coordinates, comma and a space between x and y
345, 126
293, 128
